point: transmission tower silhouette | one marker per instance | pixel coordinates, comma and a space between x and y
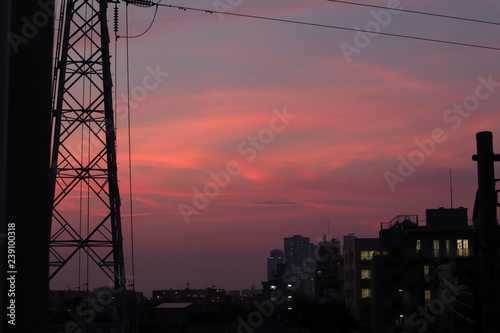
86, 234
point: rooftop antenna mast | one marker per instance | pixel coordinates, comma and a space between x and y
329, 229
451, 191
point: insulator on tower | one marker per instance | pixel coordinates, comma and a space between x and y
141, 3
115, 16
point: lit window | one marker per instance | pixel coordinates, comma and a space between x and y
462, 247
366, 293
365, 274
366, 255
426, 273
427, 297
436, 247
418, 245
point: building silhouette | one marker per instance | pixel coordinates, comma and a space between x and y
424, 273
417, 276
208, 299
329, 273
348, 241
296, 250
299, 258
280, 290
275, 258
359, 272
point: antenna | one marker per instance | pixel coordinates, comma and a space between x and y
328, 230
451, 191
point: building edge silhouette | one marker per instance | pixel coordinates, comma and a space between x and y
25, 164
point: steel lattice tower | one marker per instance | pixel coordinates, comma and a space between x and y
86, 220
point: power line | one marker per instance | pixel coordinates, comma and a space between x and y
129, 151
150, 24
458, 313
334, 27
417, 12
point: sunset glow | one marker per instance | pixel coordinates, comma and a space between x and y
231, 83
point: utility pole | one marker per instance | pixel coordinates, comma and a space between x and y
487, 229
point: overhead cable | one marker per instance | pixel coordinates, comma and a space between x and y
417, 12
335, 27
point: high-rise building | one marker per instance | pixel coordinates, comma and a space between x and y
348, 242
280, 291
275, 258
299, 258
417, 288
329, 273
358, 284
296, 250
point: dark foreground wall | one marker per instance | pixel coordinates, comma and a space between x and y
24, 174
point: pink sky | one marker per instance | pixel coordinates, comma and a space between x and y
352, 122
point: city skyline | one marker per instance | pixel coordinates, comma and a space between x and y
280, 131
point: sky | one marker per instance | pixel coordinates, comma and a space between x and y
245, 131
